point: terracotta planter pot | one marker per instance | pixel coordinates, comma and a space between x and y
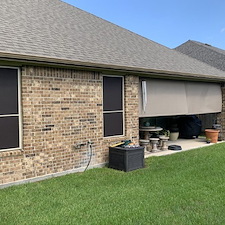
212, 135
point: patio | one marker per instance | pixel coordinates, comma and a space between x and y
186, 144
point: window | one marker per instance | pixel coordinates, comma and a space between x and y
9, 109
113, 106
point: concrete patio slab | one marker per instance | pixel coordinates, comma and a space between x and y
186, 144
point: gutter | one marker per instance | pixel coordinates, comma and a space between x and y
20, 60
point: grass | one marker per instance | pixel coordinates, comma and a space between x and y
184, 188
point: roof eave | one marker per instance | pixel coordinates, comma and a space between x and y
43, 60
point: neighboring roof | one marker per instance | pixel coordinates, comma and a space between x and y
204, 52
54, 31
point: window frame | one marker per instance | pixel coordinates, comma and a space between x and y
19, 114
114, 111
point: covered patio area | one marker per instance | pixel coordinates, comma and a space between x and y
178, 110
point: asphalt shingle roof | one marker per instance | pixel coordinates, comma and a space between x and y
206, 53
54, 29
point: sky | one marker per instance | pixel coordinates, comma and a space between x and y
168, 22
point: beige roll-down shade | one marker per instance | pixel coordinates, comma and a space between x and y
169, 97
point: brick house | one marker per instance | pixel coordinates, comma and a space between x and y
67, 77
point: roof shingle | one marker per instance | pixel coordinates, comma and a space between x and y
205, 53
54, 29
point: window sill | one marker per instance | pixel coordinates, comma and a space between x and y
117, 136
11, 149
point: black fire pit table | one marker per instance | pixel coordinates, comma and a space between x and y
125, 158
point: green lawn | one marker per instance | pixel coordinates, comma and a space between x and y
184, 188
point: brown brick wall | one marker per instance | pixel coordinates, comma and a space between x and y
63, 107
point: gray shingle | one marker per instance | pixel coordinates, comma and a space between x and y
54, 29
205, 53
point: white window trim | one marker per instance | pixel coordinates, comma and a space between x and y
19, 115
116, 111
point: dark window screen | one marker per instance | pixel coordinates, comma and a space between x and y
9, 132
8, 91
113, 124
112, 93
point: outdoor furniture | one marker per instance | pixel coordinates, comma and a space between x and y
149, 130
144, 143
154, 142
164, 141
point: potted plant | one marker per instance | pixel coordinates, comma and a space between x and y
164, 132
212, 134
174, 132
